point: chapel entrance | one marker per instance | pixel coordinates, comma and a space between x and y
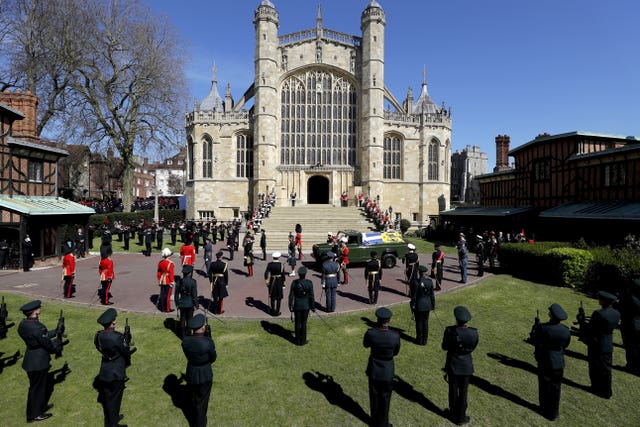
318, 190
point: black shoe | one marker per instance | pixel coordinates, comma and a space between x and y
41, 417
464, 421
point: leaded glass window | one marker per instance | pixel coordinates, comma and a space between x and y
391, 157
244, 156
433, 160
207, 157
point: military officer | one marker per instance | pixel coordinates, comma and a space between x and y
301, 300
219, 280
274, 276
384, 344
166, 280
459, 341
40, 345
462, 258
550, 340
263, 244
116, 356
629, 307
200, 351
423, 300
598, 335
186, 297
373, 275
330, 270
411, 262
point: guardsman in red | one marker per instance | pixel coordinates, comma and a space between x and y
188, 253
105, 269
166, 280
68, 272
344, 261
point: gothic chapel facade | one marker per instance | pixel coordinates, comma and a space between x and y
318, 127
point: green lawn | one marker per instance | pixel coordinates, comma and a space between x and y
261, 379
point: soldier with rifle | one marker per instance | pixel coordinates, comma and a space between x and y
200, 352
186, 297
41, 343
116, 351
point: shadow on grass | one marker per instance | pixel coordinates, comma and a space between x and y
276, 329
334, 394
179, 394
370, 323
9, 360
174, 326
407, 391
56, 377
256, 303
353, 297
495, 390
154, 299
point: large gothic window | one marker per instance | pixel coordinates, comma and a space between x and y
207, 157
318, 124
244, 156
433, 160
191, 163
392, 156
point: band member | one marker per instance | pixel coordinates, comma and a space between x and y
188, 253
248, 254
219, 279
344, 260
166, 280
274, 276
105, 269
68, 272
373, 275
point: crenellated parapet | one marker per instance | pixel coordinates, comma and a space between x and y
394, 117
312, 34
216, 117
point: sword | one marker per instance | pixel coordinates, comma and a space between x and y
324, 321
438, 318
212, 315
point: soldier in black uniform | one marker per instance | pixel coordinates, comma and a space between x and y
263, 244
186, 297
330, 269
40, 345
219, 279
423, 300
384, 344
629, 307
116, 356
200, 351
411, 262
274, 276
550, 340
598, 336
373, 275
173, 231
159, 235
126, 234
231, 243
149, 237
459, 341
301, 300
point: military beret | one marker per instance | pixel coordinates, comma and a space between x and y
219, 254
462, 313
422, 268
108, 316
374, 253
383, 313
330, 254
606, 296
558, 312
197, 321
186, 269
302, 271
30, 306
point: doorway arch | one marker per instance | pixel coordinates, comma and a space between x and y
318, 190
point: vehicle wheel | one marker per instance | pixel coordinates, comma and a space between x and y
389, 261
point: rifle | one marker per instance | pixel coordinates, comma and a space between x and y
60, 335
128, 339
534, 328
207, 327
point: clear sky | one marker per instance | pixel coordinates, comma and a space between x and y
504, 66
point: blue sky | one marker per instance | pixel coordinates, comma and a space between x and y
505, 67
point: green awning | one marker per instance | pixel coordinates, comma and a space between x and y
595, 210
487, 212
43, 205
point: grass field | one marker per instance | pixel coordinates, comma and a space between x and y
261, 379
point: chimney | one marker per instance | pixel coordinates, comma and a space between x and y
502, 153
27, 104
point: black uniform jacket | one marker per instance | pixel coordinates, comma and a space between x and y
219, 273
423, 298
275, 273
39, 345
600, 330
550, 341
373, 266
384, 344
301, 295
187, 292
116, 355
459, 342
201, 353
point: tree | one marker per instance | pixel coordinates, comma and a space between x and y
175, 184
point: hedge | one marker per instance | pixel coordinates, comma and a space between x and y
167, 215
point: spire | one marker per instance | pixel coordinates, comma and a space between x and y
424, 75
424, 104
319, 22
213, 101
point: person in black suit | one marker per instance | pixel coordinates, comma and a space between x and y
274, 276
263, 244
629, 307
384, 344
116, 356
186, 297
550, 340
459, 341
373, 275
423, 300
301, 300
200, 351
40, 345
219, 280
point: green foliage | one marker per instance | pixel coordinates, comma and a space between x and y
611, 269
527, 260
167, 215
568, 265
405, 224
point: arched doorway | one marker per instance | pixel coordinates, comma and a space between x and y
318, 190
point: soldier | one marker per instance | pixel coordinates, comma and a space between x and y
248, 254
159, 235
27, 253
173, 232
480, 255
437, 266
116, 357
40, 344
126, 235
373, 275
68, 272
423, 300
149, 237
301, 300
188, 253
200, 352
462, 258
105, 270
459, 341
105, 244
81, 243
219, 280
344, 260
263, 244
492, 250
330, 270
274, 276
384, 344
411, 262
186, 297
550, 340
291, 255
166, 280
598, 335
231, 243
629, 307
4, 253
208, 254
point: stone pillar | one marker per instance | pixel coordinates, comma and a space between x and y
502, 153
